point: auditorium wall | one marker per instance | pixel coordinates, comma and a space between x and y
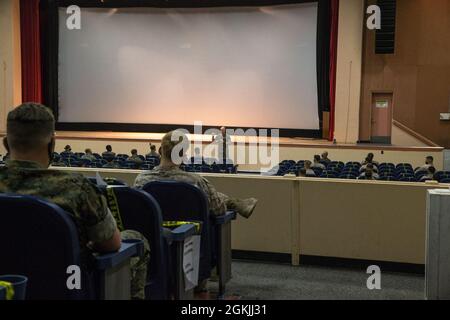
10, 64
365, 220
418, 73
402, 138
348, 73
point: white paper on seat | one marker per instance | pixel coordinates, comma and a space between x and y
191, 258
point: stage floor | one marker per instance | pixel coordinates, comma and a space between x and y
284, 142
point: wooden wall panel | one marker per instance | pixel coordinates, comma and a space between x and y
418, 73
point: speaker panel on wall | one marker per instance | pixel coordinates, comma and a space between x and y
385, 37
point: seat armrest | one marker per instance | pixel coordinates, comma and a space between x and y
128, 249
181, 233
223, 219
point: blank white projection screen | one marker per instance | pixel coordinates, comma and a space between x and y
238, 67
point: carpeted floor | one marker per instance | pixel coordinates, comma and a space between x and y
259, 281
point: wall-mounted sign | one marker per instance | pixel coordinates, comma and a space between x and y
382, 104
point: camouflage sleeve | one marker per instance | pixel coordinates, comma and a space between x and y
140, 181
216, 204
98, 220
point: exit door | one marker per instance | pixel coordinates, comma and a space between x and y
381, 118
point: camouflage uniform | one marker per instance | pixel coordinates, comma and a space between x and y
89, 157
218, 202
108, 154
136, 159
74, 194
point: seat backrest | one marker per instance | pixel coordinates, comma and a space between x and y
147, 166
420, 174
207, 169
181, 201
330, 175
404, 175
317, 171
39, 240
108, 158
140, 212
154, 160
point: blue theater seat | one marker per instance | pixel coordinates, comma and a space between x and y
317, 171
65, 154
419, 175
154, 161
186, 202
147, 166
139, 211
386, 166
330, 174
206, 168
442, 175
40, 241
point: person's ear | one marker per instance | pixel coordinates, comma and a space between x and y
5, 144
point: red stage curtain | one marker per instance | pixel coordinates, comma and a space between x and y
31, 51
333, 56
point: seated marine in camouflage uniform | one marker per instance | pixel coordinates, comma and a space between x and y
218, 202
30, 141
135, 158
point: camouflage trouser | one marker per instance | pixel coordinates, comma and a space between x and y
138, 265
229, 202
240, 206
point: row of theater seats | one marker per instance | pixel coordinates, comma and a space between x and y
403, 172
42, 245
122, 161
213, 168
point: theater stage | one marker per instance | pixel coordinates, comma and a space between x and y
283, 142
